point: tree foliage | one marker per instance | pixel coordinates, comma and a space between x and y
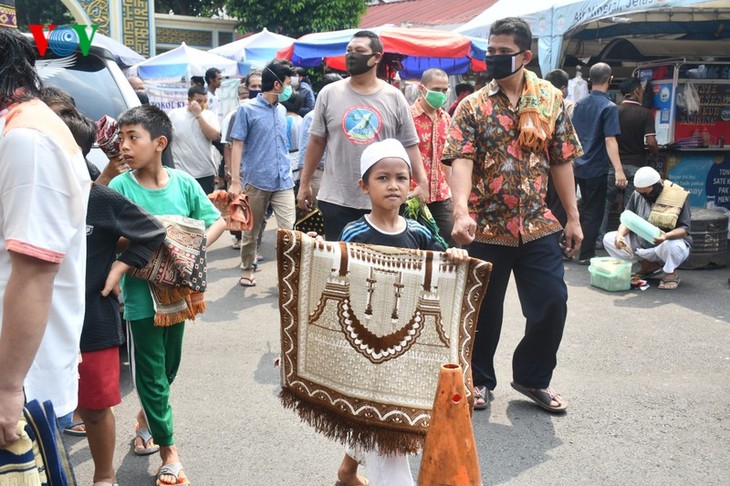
296, 17
41, 12
55, 12
193, 8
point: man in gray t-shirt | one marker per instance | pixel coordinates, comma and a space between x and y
348, 116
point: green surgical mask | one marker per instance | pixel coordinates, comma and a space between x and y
435, 99
286, 94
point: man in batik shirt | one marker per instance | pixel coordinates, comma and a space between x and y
432, 123
502, 142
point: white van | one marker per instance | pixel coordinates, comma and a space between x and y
95, 82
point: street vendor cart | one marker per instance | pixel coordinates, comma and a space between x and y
691, 104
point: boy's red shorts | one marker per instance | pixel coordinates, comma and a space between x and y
99, 379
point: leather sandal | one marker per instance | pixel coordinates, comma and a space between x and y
543, 397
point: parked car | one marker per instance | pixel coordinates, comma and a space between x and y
95, 82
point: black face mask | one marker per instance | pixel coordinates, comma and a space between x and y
502, 65
653, 195
358, 63
253, 93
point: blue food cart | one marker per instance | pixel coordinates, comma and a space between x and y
691, 104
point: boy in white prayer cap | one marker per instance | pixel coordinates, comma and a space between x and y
666, 205
386, 177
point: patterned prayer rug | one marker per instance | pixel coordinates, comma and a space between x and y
364, 332
177, 271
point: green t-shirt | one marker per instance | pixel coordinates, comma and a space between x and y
182, 196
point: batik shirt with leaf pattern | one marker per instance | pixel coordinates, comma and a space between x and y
431, 139
509, 184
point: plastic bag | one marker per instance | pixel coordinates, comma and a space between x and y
691, 99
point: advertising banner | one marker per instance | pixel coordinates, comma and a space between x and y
167, 96
706, 175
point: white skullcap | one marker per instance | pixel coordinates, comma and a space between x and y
645, 177
375, 152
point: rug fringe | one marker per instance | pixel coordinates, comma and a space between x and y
176, 304
339, 428
197, 303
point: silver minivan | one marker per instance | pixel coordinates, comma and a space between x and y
96, 83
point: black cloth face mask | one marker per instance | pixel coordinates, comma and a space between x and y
653, 195
501, 66
253, 93
357, 63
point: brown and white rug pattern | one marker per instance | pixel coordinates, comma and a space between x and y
364, 331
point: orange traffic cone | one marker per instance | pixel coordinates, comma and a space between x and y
450, 453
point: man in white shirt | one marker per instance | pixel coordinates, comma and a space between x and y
194, 129
44, 186
214, 78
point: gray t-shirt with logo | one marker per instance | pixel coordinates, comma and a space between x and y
351, 121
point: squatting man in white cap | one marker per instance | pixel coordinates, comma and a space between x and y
665, 205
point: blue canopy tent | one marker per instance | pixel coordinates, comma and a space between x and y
183, 62
598, 20
254, 51
423, 49
310, 49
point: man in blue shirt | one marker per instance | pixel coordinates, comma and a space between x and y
304, 89
263, 168
595, 119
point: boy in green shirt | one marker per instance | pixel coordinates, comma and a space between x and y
145, 132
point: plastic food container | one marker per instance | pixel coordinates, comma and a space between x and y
610, 274
641, 227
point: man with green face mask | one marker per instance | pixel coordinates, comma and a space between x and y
432, 124
259, 159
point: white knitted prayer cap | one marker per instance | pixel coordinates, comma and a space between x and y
645, 177
375, 152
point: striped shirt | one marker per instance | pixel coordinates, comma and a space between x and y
414, 235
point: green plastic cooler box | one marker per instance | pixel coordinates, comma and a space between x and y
610, 274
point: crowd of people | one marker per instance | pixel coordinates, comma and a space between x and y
498, 171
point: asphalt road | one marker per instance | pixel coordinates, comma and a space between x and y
647, 375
